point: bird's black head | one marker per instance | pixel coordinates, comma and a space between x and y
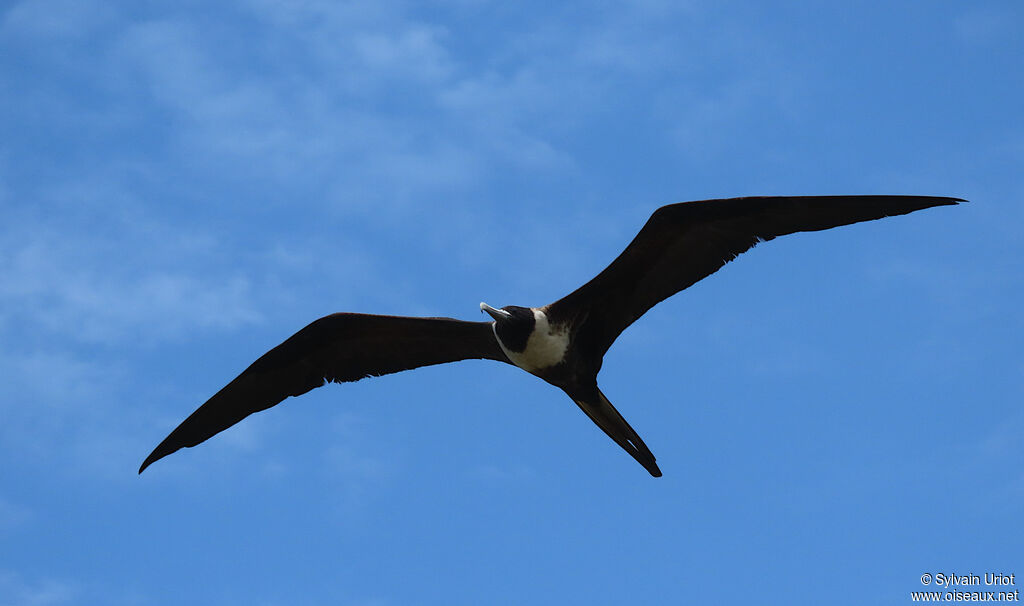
512, 324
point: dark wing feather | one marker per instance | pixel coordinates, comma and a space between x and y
340, 347
683, 243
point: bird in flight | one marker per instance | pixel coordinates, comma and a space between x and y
563, 342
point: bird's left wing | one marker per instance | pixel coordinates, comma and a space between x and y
683, 243
340, 347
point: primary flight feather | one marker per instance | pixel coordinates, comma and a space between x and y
563, 342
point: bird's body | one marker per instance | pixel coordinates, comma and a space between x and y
545, 344
564, 342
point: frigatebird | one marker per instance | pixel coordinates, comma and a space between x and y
563, 342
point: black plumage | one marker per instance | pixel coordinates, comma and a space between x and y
564, 342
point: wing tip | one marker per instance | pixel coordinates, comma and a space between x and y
158, 453
933, 202
149, 461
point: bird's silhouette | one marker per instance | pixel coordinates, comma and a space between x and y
563, 342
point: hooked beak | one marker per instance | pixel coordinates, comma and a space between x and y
497, 314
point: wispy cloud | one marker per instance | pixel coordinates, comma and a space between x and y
15, 590
82, 287
183, 185
56, 18
983, 25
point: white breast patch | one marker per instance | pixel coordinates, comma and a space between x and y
546, 346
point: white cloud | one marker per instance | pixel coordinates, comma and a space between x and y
67, 412
371, 105
76, 286
41, 382
414, 52
323, 109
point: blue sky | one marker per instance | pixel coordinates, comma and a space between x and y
184, 185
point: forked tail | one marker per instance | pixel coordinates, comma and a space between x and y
601, 412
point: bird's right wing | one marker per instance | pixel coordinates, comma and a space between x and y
340, 347
683, 243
